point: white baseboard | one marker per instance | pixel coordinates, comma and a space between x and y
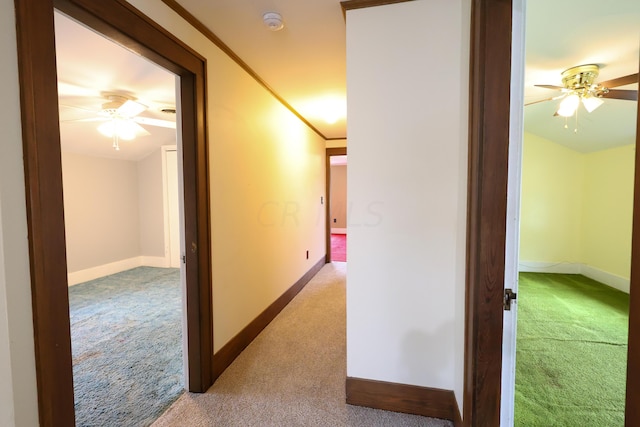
338, 231
609, 279
92, 273
155, 261
550, 267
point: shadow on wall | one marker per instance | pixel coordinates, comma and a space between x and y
427, 357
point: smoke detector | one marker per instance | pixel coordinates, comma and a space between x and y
273, 21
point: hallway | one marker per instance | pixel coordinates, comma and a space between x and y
293, 374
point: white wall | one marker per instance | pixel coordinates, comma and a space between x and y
151, 205
405, 293
101, 210
18, 400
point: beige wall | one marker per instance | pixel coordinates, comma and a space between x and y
337, 143
267, 177
101, 210
407, 225
338, 196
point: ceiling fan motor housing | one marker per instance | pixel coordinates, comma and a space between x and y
581, 79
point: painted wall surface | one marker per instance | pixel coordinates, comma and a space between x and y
338, 196
551, 204
608, 209
576, 212
407, 228
18, 399
151, 196
101, 210
267, 174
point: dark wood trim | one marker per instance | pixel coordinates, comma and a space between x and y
487, 207
409, 399
457, 415
198, 25
360, 4
43, 176
227, 354
45, 216
632, 409
338, 151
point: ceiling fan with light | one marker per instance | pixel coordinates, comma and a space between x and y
121, 119
579, 86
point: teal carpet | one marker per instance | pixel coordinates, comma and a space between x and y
571, 352
126, 337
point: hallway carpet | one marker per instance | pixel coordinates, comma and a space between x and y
293, 374
339, 247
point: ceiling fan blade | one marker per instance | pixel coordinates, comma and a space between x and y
90, 119
629, 95
139, 130
131, 108
155, 122
550, 87
537, 102
621, 81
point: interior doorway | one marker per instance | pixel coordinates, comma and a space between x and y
128, 27
339, 241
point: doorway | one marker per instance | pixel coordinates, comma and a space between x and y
125, 25
334, 153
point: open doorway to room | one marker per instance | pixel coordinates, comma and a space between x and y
43, 169
122, 226
575, 220
336, 206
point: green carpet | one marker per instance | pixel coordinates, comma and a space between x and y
571, 352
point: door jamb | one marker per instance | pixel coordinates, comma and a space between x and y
121, 22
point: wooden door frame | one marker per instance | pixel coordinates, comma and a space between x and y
487, 206
338, 151
124, 24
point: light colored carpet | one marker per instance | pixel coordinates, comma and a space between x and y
293, 374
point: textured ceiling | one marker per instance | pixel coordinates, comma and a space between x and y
305, 64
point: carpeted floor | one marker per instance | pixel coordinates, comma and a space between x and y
293, 374
571, 352
127, 346
339, 247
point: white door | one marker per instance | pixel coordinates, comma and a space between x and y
516, 135
173, 199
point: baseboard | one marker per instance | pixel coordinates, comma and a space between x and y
607, 278
338, 231
228, 353
601, 276
550, 267
92, 273
155, 261
409, 399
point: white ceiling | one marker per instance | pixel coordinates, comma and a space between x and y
305, 64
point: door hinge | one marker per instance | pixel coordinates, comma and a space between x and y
509, 296
184, 259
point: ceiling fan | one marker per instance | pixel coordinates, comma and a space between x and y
120, 117
578, 85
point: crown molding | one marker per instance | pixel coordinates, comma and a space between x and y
198, 25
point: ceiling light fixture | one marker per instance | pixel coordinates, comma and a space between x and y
118, 128
273, 21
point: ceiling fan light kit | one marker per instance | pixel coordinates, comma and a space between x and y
578, 86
